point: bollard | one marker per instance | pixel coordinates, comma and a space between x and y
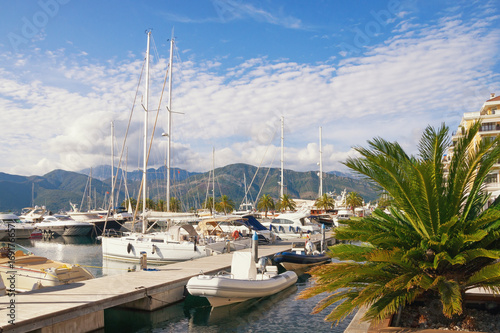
255, 247
144, 260
323, 236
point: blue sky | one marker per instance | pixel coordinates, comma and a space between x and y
358, 69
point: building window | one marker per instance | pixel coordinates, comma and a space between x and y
491, 178
488, 127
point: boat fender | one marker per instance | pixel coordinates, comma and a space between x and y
236, 234
290, 228
281, 229
195, 242
271, 227
153, 251
129, 247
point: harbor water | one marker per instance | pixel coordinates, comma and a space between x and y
281, 312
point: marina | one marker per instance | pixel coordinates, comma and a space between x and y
83, 304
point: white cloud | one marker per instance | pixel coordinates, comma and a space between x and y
59, 107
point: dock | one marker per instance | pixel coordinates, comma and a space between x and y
79, 307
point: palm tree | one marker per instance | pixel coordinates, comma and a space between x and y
436, 243
160, 205
353, 200
175, 205
209, 204
265, 203
225, 204
325, 202
286, 202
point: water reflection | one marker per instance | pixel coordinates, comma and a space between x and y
278, 313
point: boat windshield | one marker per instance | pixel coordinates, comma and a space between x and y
6, 247
12, 221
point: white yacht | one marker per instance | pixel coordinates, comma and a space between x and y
63, 225
342, 215
292, 225
16, 227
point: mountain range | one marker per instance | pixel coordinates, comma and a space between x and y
58, 188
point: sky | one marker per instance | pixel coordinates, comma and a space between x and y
356, 69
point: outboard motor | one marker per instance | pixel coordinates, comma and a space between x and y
263, 262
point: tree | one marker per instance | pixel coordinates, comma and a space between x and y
161, 206
436, 243
133, 203
353, 200
209, 204
265, 203
325, 202
150, 204
175, 204
225, 204
286, 202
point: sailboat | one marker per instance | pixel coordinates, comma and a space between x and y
181, 241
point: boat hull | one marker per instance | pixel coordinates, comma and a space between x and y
129, 249
222, 290
295, 261
66, 230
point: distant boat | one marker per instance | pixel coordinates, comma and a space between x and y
21, 230
33, 272
342, 215
292, 225
101, 220
33, 214
63, 225
242, 284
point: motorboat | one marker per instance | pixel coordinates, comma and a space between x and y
292, 225
63, 225
32, 272
33, 214
101, 220
15, 227
342, 215
238, 226
243, 283
301, 257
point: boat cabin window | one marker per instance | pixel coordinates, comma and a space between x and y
155, 240
282, 221
6, 248
12, 221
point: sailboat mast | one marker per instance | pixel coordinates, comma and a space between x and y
145, 160
213, 181
112, 166
320, 164
282, 155
169, 119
